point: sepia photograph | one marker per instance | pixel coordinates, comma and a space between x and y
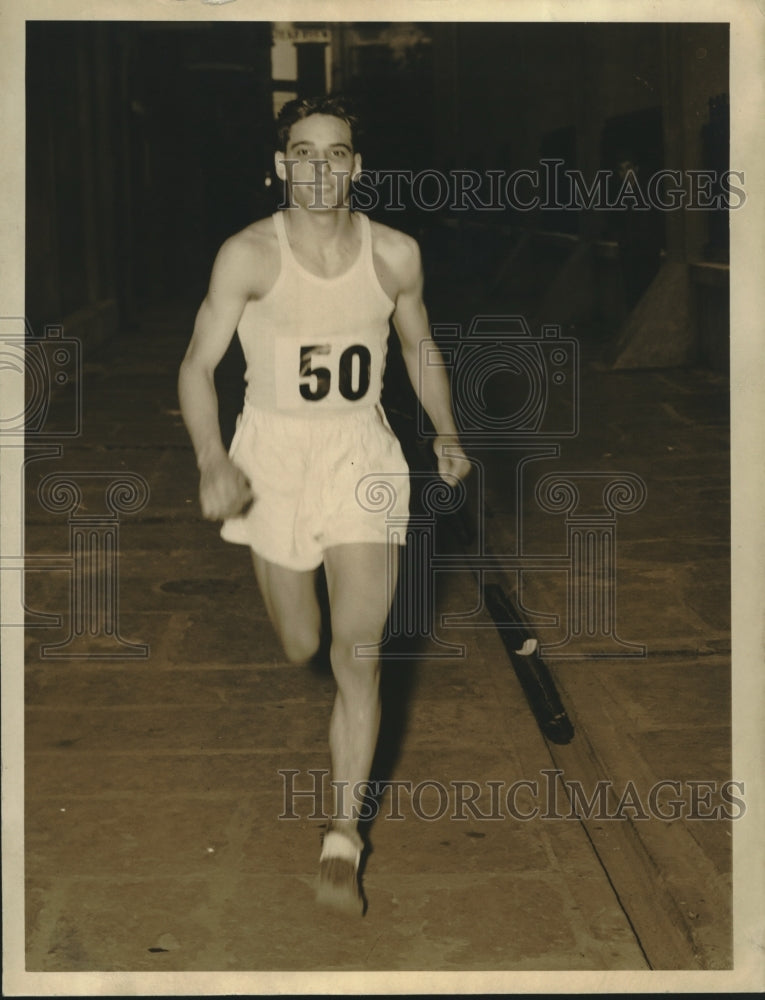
381, 561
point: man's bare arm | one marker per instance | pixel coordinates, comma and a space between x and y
224, 490
429, 380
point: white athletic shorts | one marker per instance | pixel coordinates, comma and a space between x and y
318, 482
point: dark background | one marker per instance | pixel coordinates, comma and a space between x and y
149, 143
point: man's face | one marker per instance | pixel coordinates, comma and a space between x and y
322, 185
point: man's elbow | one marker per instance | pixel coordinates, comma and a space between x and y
410, 351
187, 368
193, 372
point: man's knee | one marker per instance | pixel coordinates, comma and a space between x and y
356, 649
301, 647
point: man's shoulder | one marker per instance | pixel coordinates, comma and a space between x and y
248, 256
393, 240
254, 240
396, 249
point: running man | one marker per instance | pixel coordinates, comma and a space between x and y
310, 291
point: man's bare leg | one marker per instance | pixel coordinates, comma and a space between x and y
293, 607
360, 580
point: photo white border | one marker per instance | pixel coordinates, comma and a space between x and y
747, 57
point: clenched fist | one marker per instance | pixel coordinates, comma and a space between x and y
452, 461
224, 490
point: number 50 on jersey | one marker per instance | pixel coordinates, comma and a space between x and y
332, 375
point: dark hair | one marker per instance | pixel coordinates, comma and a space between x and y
329, 104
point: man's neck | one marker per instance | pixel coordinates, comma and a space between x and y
306, 224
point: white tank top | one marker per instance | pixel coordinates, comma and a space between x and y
317, 346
